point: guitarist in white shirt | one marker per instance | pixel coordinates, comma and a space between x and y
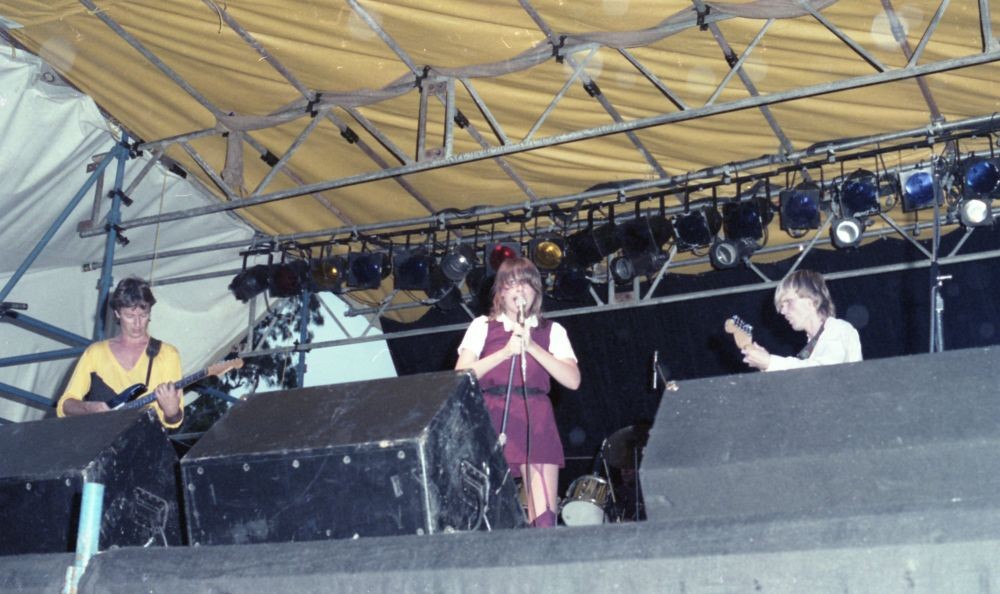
803, 299
109, 367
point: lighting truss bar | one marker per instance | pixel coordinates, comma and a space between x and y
502, 213
803, 246
748, 288
606, 130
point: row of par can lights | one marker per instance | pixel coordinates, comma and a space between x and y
634, 248
973, 185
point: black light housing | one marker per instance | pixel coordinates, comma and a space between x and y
251, 282
980, 184
328, 274
593, 244
697, 228
919, 188
980, 178
746, 219
571, 284
548, 252
729, 253
411, 269
800, 207
458, 262
365, 270
288, 279
498, 252
858, 195
846, 232
642, 240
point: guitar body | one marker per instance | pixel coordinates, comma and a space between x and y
130, 393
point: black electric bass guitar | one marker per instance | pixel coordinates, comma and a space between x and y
129, 397
741, 331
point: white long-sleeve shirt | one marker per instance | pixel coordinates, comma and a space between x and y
838, 343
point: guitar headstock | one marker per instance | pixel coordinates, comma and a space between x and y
223, 367
741, 331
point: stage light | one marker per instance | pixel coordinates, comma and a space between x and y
975, 212
497, 253
411, 269
328, 274
458, 262
697, 228
642, 240
571, 284
919, 188
729, 253
857, 198
622, 270
980, 178
251, 282
847, 232
288, 279
858, 195
548, 252
746, 219
800, 207
365, 270
592, 244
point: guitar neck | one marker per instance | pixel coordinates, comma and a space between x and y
184, 382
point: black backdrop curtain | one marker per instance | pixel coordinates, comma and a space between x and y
892, 311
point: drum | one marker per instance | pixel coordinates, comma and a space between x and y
585, 501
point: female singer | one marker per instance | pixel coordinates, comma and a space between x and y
495, 345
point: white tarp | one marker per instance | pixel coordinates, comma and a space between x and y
50, 133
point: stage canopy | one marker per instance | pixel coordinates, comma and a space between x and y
310, 129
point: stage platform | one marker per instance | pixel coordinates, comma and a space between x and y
874, 477
944, 552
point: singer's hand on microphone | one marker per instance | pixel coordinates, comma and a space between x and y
520, 340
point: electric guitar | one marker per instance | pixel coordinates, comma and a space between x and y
741, 331
127, 398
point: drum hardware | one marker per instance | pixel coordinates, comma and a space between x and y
586, 501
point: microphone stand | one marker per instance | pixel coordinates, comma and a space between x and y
502, 438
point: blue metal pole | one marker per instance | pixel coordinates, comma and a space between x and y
40, 357
300, 368
114, 217
46, 328
35, 398
50, 233
88, 534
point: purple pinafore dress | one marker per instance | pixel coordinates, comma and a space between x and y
532, 435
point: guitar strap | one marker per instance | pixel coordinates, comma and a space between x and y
152, 349
807, 350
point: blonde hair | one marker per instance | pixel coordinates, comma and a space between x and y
809, 285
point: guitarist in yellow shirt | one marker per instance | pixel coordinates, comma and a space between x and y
110, 367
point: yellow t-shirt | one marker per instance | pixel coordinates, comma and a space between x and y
98, 359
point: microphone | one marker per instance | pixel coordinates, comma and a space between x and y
520, 320
656, 363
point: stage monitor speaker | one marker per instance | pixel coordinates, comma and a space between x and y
43, 465
882, 436
407, 455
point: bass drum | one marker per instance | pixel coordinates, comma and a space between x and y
586, 501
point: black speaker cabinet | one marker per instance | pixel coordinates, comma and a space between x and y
43, 465
882, 436
407, 455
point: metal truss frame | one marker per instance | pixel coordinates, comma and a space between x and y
495, 145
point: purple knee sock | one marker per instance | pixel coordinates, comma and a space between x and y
546, 520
